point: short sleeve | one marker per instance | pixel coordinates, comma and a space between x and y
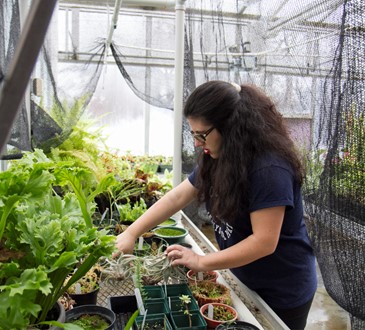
271, 186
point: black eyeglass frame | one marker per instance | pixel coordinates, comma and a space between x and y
202, 137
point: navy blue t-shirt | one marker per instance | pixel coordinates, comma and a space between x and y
287, 278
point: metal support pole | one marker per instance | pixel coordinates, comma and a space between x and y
179, 81
21, 67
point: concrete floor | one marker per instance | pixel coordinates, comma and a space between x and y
325, 314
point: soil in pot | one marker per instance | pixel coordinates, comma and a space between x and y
153, 322
180, 320
221, 313
91, 317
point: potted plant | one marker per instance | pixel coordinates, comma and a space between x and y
218, 313
153, 322
44, 237
182, 322
168, 223
177, 303
125, 309
194, 277
91, 317
187, 318
129, 212
211, 292
171, 234
85, 290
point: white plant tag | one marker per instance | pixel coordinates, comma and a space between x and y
140, 243
200, 276
77, 288
144, 320
210, 311
139, 299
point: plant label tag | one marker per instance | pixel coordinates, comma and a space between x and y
140, 243
140, 305
210, 311
77, 288
200, 276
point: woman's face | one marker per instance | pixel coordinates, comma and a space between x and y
203, 131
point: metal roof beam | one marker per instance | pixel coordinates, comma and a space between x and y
312, 10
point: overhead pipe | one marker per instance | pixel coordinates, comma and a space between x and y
178, 94
113, 26
150, 3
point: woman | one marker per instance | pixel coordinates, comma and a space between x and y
249, 176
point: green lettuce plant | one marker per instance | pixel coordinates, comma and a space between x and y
45, 237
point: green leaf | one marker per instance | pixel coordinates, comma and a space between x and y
131, 320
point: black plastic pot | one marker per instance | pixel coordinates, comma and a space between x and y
237, 325
76, 312
57, 313
89, 298
123, 307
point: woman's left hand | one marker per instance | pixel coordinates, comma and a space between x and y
180, 255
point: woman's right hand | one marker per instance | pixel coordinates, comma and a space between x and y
125, 243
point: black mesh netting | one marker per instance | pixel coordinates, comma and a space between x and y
336, 195
308, 55
9, 34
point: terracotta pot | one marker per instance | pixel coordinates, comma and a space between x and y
216, 320
211, 292
210, 276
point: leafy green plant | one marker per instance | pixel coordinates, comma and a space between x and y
131, 212
46, 237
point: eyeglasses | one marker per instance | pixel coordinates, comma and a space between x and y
201, 137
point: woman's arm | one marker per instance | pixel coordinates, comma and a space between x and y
266, 226
173, 201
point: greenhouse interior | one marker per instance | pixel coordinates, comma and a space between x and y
92, 134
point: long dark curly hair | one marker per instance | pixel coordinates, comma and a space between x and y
250, 126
